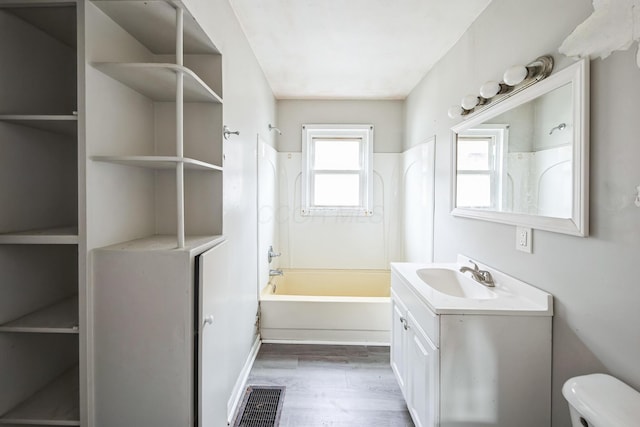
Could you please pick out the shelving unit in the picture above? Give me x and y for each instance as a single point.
(176, 86)
(39, 208)
(155, 163)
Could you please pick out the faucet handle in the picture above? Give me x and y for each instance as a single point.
(475, 266)
(271, 255)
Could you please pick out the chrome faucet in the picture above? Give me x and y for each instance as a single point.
(480, 276)
(275, 272)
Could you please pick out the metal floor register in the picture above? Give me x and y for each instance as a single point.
(261, 407)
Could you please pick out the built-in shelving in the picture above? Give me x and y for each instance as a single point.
(158, 162)
(65, 124)
(178, 127)
(40, 266)
(46, 236)
(55, 404)
(155, 145)
(158, 81)
(60, 318)
(148, 22)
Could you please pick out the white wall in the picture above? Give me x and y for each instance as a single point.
(249, 106)
(341, 242)
(594, 280)
(268, 201)
(385, 115)
(417, 201)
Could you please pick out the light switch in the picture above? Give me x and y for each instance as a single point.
(524, 239)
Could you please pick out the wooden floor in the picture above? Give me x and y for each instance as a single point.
(332, 385)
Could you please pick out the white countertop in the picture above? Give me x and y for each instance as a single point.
(513, 297)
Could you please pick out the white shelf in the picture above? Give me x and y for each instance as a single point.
(55, 405)
(158, 81)
(46, 236)
(152, 21)
(158, 162)
(60, 318)
(164, 242)
(65, 124)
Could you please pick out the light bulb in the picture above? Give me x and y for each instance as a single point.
(469, 102)
(454, 112)
(490, 89)
(515, 75)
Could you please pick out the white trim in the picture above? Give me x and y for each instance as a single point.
(578, 225)
(359, 131)
(241, 382)
(316, 342)
(498, 135)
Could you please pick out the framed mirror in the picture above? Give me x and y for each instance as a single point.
(525, 160)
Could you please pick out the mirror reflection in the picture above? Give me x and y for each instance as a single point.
(521, 160)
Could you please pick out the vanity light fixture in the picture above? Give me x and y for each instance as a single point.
(514, 80)
(492, 88)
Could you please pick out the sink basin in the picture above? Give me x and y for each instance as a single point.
(454, 283)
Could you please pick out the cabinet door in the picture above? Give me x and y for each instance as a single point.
(399, 343)
(423, 381)
(212, 361)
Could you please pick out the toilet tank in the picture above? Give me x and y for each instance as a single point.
(600, 400)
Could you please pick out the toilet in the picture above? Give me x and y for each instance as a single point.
(599, 400)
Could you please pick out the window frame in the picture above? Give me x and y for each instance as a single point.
(497, 136)
(361, 132)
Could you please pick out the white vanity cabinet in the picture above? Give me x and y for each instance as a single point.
(414, 358)
(399, 342)
(422, 362)
(469, 368)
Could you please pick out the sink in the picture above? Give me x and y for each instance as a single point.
(454, 283)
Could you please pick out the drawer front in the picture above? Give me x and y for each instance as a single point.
(427, 320)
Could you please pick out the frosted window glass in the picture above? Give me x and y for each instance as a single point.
(337, 154)
(473, 154)
(474, 190)
(336, 190)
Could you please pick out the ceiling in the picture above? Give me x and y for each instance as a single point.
(351, 49)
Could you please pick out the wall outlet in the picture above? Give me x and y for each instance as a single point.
(524, 239)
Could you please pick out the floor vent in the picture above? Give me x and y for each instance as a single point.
(261, 407)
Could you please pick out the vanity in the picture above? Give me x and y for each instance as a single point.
(466, 354)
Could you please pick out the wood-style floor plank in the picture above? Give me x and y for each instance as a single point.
(332, 385)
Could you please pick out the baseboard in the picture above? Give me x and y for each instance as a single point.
(240, 385)
(278, 341)
(333, 336)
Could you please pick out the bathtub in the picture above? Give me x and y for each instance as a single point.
(327, 306)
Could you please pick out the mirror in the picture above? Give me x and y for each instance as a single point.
(524, 160)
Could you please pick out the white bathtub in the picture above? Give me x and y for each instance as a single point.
(327, 306)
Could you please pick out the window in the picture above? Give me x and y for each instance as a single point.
(337, 170)
(481, 169)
